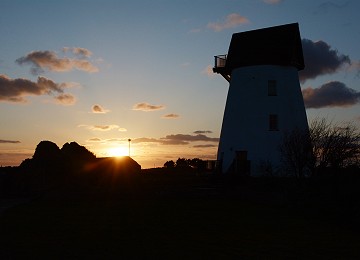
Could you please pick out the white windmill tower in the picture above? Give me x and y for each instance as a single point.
(264, 98)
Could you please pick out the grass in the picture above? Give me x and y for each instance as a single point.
(167, 219)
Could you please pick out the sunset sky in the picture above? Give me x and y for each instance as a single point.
(101, 72)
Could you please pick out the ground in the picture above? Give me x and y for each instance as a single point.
(163, 216)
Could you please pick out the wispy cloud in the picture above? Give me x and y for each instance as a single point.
(203, 132)
(144, 140)
(355, 65)
(204, 146)
(9, 142)
(321, 59)
(177, 139)
(231, 21)
(147, 107)
(331, 94)
(185, 139)
(200, 140)
(95, 139)
(101, 127)
(49, 60)
(208, 71)
(97, 109)
(15, 90)
(81, 52)
(171, 116)
(107, 141)
(104, 127)
(12, 158)
(65, 99)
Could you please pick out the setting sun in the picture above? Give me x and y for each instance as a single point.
(118, 151)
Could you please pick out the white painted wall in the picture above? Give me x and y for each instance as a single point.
(246, 117)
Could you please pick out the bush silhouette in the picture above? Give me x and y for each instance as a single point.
(47, 150)
(74, 151)
(49, 157)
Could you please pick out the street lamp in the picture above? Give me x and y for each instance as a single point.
(129, 145)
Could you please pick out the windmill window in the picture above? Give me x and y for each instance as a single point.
(273, 122)
(272, 90)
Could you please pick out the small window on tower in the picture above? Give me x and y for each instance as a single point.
(272, 91)
(273, 123)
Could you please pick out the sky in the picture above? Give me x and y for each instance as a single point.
(101, 72)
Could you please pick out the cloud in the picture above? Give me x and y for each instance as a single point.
(205, 146)
(15, 90)
(232, 20)
(48, 60)
(173, 142)
(321, 59)
(95, 139)
(331, 94)
(272, 2)
(9, 142)
(65, 99)
(185, 139)
(355, 65)
(147, 107)
(11, 158)
(171, 116)
(121, 129)
(106, 141)
(97, 109)
(144, 140)
(208, 71)
(82, 52)
(100, 127)
(104, 127)
(176, 139)
(203, 132)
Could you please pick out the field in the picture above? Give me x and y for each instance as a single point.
(178, 216)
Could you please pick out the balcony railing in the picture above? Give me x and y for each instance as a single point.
(220, 61)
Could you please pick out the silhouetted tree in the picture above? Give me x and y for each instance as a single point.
(44, 170)
(327, 145)
(182, 163)
(169, 164)
(334, 145)
(197, 163)
(74, 151)
(26, 163)
(47, 150)
(48, 158)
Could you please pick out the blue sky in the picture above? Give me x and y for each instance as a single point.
(145, 66)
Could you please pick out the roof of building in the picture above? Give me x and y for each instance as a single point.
(278, 45)
(121, 164)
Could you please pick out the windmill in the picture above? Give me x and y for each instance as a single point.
(264, 99)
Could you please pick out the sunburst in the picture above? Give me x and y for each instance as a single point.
(118, 151)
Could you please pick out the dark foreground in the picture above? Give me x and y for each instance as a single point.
(157, 215)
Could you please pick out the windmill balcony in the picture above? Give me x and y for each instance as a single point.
(220, 63)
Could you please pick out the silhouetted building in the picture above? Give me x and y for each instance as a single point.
(264, 98)
(123, 164)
